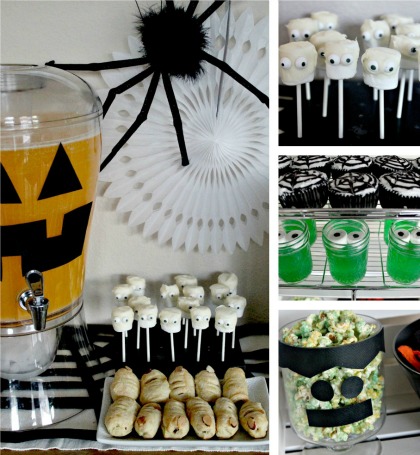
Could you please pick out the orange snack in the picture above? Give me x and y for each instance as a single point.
(412, 356)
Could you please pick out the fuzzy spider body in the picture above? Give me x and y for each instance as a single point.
(172, 41)
(174, 44)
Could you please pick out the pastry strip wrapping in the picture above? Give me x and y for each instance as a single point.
(154, 387)
(175, 424)
(120, 417)
(148, 420)
(181, 384)
(235, 386)
(253, 419)
(125, 384)
(227, 422)
(207, 385)
(201, 417)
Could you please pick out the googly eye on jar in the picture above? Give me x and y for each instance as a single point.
(403, 258)
(346, 243)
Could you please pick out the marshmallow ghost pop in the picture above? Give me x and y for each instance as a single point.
(394, 20)
(137, 283)
(146, 316)
(185, 304)
(218, 292)
(409, 48)
(230, 280)
(380, 70)
(122, 322)
(301, 29)
(238, 303)
(200, 320)
(341, 63)
(122, 292)
(375, 33)
(170, 293)
(325, 20)
(185, 280)
(225, 322)
(318, 40)
(297, 64)
(170, 322)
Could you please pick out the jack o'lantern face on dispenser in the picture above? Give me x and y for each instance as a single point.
(47, 194)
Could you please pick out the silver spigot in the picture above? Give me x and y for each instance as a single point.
(33, 299)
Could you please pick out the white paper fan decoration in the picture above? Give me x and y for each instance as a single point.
(221, 199)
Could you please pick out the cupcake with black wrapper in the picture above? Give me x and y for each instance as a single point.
(303, 189)
(319, 163)
(400, 190)
(416, 165)
(386, 164)
(354, 190)
(284, 163)
(350, 163)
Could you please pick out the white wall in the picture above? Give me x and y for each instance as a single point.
(86, 31)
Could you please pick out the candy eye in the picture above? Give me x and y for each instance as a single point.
(285, 63)
(330, 26)
(322, 53)
(143, 318)
(165, 321)
(207, 318)
(389, 67)
(379, 34)
(306, 34)
(347, 59)
(175, 321)
(334, 59)
(373, 66)
(295, 34)
(125, 320)
(413, 51)
(150, 318)
(301, 63)
(322, 391)
(366, 36)
(198, 318)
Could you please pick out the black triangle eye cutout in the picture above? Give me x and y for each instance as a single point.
(8, 193)
(61, 178)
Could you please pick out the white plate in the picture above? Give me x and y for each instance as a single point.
(257, 389)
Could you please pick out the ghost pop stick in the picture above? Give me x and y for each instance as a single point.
(122, 321)
(146, 315)
(297, 64)
(341, 63)
(200, 320)
(225, 322)
(170, 322)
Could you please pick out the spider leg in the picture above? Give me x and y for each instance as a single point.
(115, 64)
(113, 92)
(223, 66)
(176, 117)
(192, 6)
(210, 10)
(138, 122)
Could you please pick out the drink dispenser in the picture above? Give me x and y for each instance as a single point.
(50, 156)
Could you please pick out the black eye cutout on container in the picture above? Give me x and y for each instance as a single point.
(350, 388)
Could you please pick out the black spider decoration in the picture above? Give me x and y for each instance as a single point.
(174, 44)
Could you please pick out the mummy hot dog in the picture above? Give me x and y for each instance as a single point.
(154, 387)
(227, 422)
(207, 385)
(175, 423)
(297, 64)
(170, 321)
(225, 322)
(148, 420)
(235, 386)
(253, 419)
(120, 417)
(201, 416)
(125, 384)
(200, 320)
(122, 321)
(181, 383)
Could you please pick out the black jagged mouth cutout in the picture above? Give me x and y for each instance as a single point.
(30, 242)
(341, 416)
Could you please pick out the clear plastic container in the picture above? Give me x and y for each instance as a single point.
(334, 394)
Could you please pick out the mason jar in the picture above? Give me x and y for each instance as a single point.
(294, 251)
(346, 243)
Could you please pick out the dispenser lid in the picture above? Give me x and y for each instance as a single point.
(38, 96)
